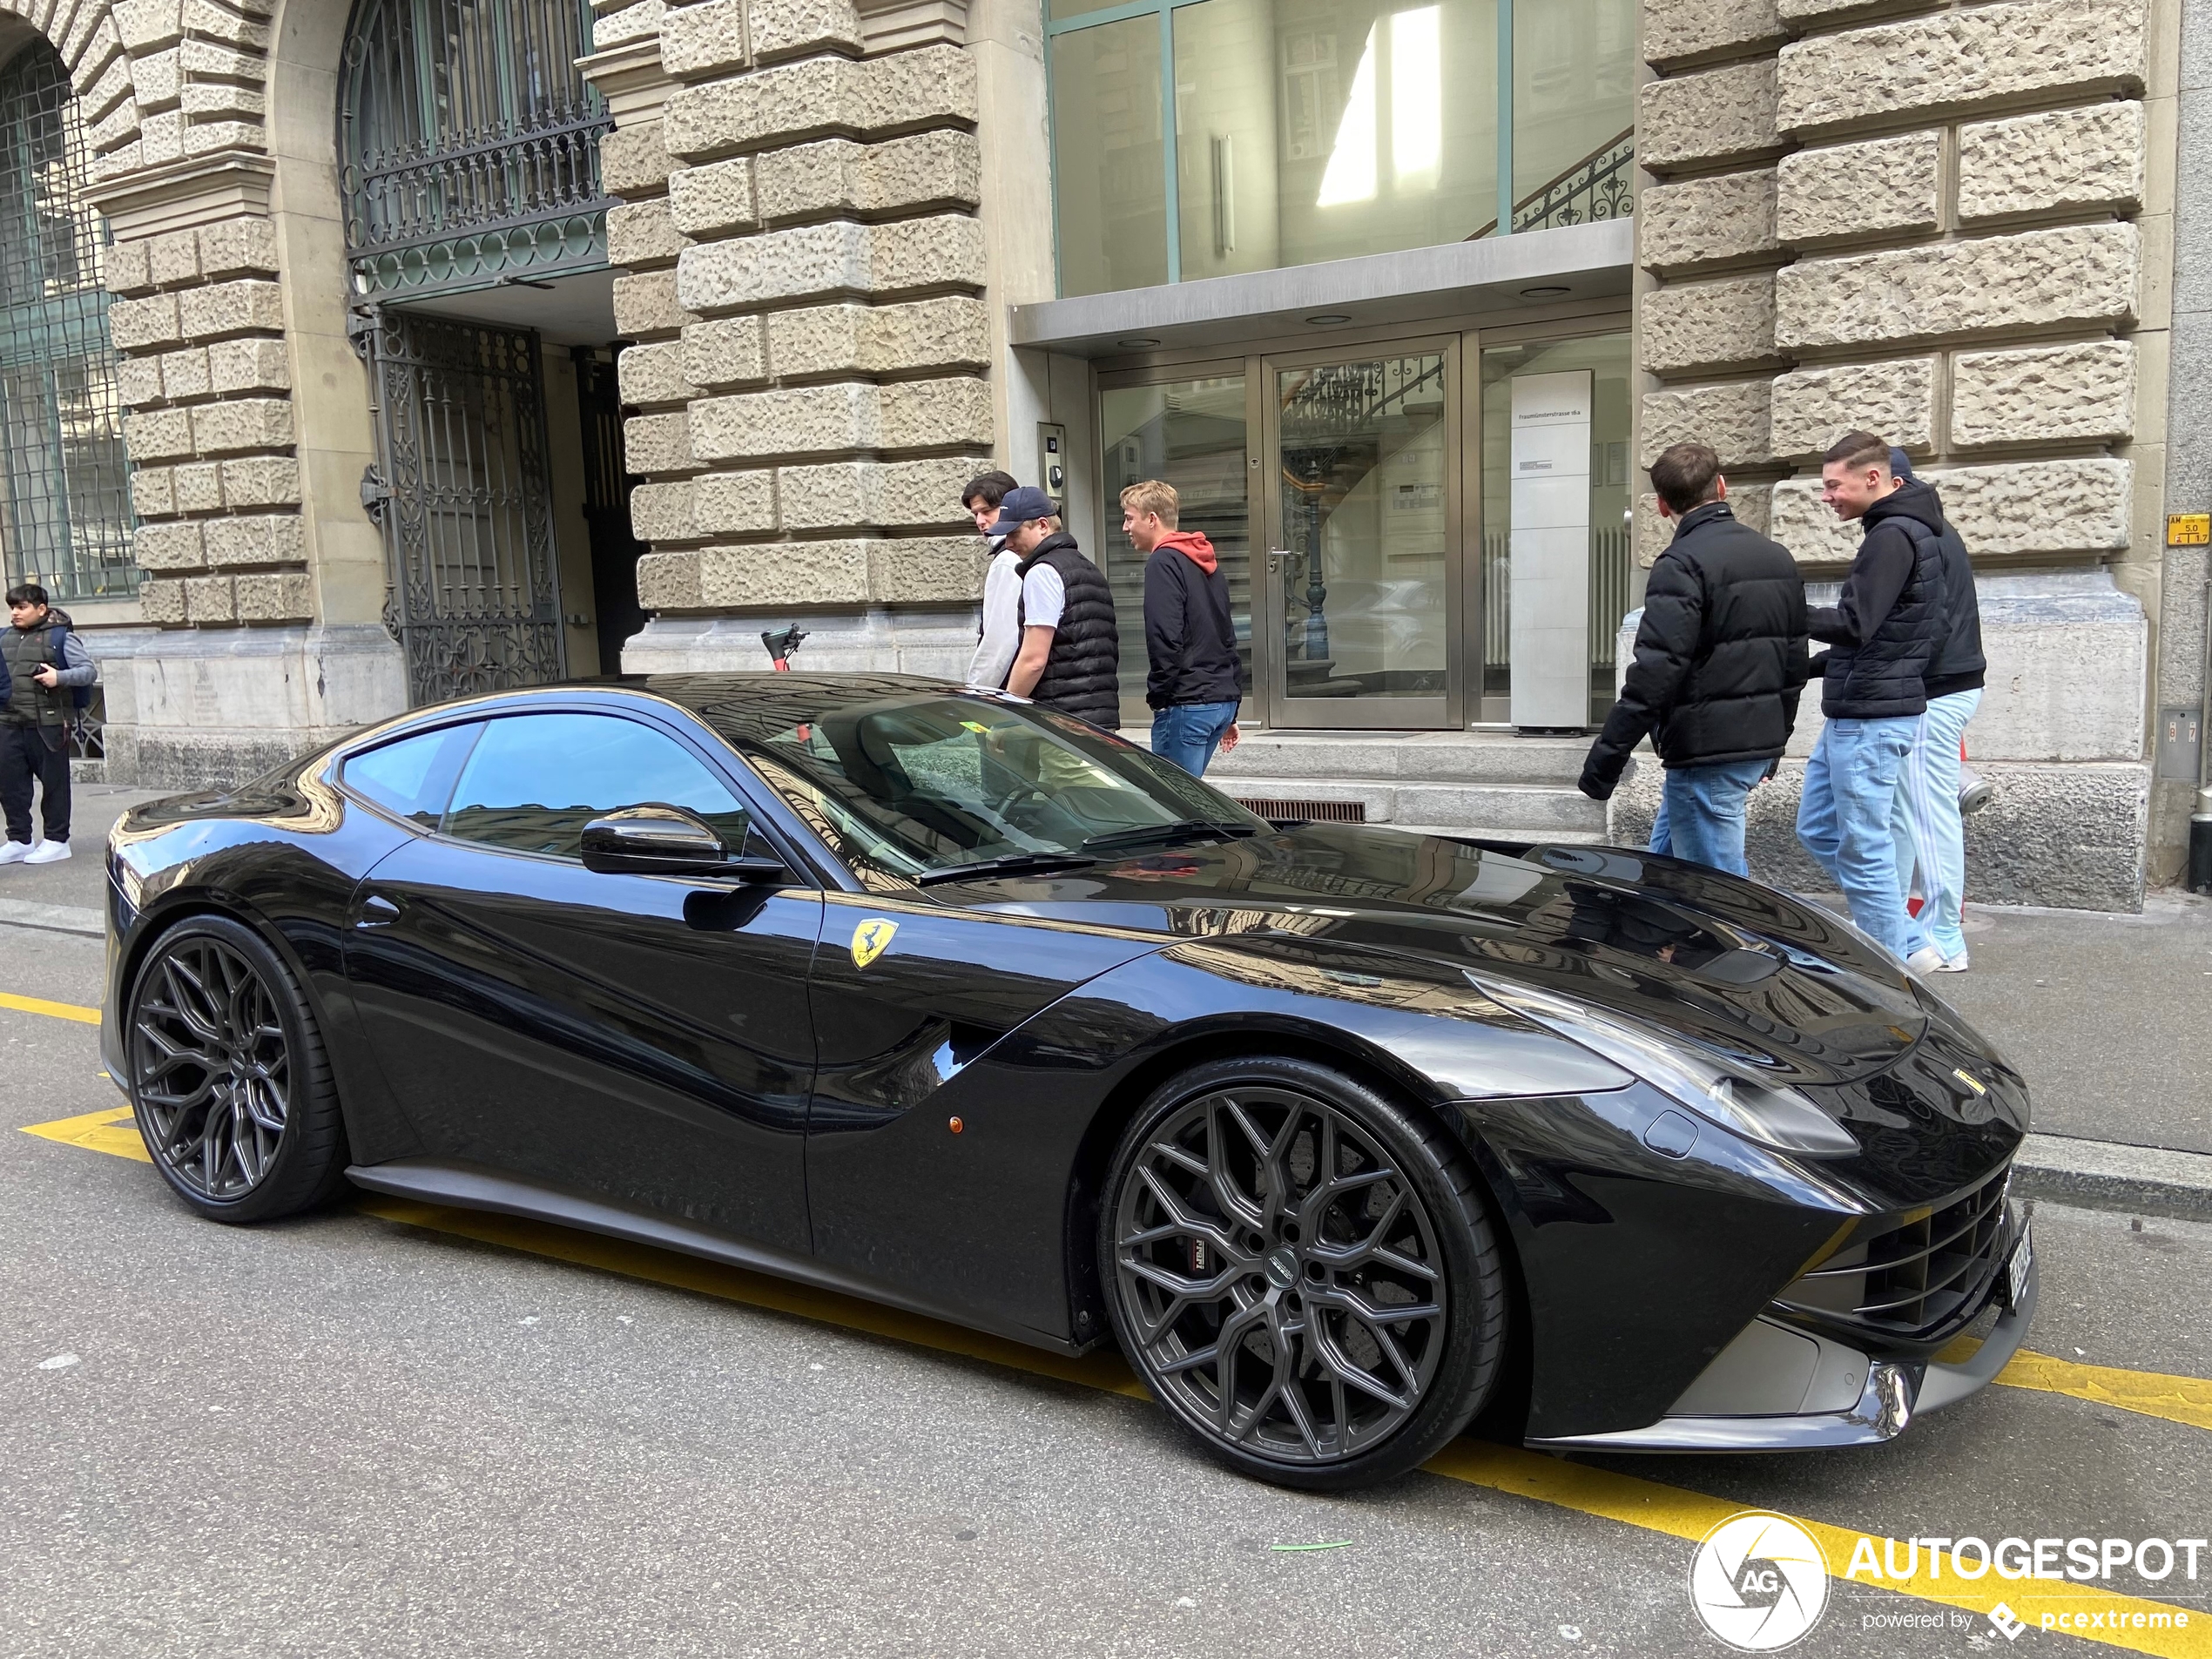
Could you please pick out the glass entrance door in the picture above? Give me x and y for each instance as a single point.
(1360, 595)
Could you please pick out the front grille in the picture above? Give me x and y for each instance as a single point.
(1321, 811)
(1920, 1282)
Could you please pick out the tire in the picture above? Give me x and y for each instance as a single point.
(228, 1079)
(1193, 1238)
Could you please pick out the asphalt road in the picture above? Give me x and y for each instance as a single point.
(354, 1434)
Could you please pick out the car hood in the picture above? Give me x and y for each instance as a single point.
(1737, 966)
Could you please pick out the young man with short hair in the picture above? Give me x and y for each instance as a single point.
(1720, 660)
(47, 666)
(1887, 629)
(1071, 652)
(1000, 637)
(1194, 681)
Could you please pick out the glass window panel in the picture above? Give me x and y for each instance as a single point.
(1614, 585)
(1107, 164)
(413, 777)
(1574, 111)
(1192, 435)
(534, 780)
(1366, 522)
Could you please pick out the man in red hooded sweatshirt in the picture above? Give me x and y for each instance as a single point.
(1197, 680)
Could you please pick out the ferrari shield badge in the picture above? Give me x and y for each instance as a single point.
(871, 938)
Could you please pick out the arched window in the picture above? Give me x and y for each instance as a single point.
(469, 145)
(65, 517)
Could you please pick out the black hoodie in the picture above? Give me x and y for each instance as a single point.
(1890, 623)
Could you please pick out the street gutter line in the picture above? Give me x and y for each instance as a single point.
(1646, 1504)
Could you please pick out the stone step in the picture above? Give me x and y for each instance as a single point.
(1406, 757)
(1513, 809)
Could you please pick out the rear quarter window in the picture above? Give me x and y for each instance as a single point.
(412, 777)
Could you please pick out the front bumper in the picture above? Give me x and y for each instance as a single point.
(1891, 1396)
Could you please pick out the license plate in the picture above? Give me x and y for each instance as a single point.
(2016, 1274)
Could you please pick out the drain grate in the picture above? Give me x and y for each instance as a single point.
(1322, 811)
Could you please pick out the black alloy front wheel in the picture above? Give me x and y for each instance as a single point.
(228, 1079)
(1302, 1272)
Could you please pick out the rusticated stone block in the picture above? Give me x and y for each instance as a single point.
(940, 169)
(267, 539)
(614, 27)
(162, 602)
(241, 306)
(822, 97)
(952, 332)
(239, 246)
(242, 423)
(895, 495)
(926, 569)
(1721, 219)
(1733, 420)
(657, 443)
(1693, 326)
(924, 415)
(668, 581)
(646, 305)
(1958, 59)
(1809, 527)
(713, 199)
(210, 598)
(154, 492)
(2084, 161)
(199, 486)
(262, 480)
(661, 513)
(2078, 273)
(784, 29)
(1652, 534)
(176, 259)
(652, 376)
(1677, 30)
(174, 546)
(157, 435)
(2050, 394)
(1714, 115)
(1815, 407)
(642, 233)
(785, 573)
(633, 161)
(185, 374)
(276, 596)
(129, 268)
(1886, 187)
(836, 258)
(696, 41)
(236, 366)
(726, 351)
(138, 380)
(926, 254)
(811, 420)
(2021, 510)
(735, 503)
(143, 325)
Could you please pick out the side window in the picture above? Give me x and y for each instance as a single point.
(534, 780)
(413, 777)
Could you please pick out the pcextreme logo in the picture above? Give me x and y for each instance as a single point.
(871, 938)
(1758, 1582)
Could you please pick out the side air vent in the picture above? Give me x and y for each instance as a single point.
(1321, 811)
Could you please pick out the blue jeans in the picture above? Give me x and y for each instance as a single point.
(1188, 733)
(1924, 822)
(1843, 821)
(1701, 813)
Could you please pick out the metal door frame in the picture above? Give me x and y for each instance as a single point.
(455, 643)
(1270, 666)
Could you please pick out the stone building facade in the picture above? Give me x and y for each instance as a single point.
(833, 279)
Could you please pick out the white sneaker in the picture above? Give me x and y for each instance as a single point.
(47, 852)
(1926, 960)
(1957, 964)
(13, 852)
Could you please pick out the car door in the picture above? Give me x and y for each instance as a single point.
(644, 1040)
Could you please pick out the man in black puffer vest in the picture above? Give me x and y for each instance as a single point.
(1888, 628)
(1071, 652)
(1720, 659)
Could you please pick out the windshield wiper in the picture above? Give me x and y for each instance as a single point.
(1012, 863)
(1185, 830)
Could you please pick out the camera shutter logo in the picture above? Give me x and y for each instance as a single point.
(1759, 1581)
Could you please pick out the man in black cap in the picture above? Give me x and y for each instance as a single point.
(1071, 652)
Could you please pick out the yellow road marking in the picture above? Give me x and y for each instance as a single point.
(75, 1011)
(2179, 1399)
(1630, 1499)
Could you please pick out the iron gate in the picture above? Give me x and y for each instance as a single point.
(464, 497)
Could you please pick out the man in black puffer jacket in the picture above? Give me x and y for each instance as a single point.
(1071, 652)
(1720, 659)
(1888, 628)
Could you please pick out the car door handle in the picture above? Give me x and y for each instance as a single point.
(377, 911)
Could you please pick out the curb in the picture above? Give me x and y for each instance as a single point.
(2103, 1175)
(53, 918)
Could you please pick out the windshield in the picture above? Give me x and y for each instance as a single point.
(912, 783)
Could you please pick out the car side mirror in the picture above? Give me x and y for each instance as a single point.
(667, 841)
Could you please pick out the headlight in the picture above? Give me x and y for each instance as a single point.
(1730, 1095)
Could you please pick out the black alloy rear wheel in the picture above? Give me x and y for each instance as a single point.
(228, 1079)
(1302, 1272)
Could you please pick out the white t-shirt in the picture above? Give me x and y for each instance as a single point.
(1044, 596)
